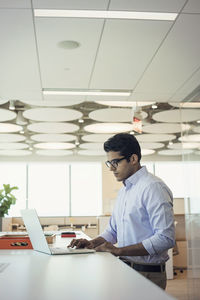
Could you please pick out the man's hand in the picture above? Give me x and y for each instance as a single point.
(81, 243)
(108, 247)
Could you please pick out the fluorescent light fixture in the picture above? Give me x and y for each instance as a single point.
(105, 14)
(86, 93)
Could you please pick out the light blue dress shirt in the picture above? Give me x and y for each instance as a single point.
(143, 212)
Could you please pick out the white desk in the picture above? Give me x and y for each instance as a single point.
(100, 276)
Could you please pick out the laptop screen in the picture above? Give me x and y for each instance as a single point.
(34, 229)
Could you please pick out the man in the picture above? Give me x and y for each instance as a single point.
(142, 222)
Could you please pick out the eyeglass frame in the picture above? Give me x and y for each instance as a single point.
(109, 163)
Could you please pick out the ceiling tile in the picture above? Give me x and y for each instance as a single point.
(146, 5)
(178, 55)
(71, 4)
(192, 6)
(19, 74)
(15, 4)
(71, 67)
(122, 59)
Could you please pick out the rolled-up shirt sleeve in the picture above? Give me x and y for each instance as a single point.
(110, 233)
(159, 208)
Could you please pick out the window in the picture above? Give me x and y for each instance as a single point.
(48, 188)
(172, 174)
(15, 175)
(86, 189)
(55, 189)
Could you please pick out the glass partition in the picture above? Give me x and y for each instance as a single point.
(191, 140)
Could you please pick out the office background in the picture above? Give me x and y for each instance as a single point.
(68, 83)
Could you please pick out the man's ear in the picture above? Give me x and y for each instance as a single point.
(134, 158)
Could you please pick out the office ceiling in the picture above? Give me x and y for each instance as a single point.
(154, 61)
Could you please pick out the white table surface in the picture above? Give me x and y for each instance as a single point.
(31, 275)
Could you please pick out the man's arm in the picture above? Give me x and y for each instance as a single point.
(132, 250)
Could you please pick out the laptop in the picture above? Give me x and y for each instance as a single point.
(38, 239)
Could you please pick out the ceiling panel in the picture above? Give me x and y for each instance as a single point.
(69, 68)
(188, 86)
(192, 6)
(127, 46)
(71, 4)
(179, 55)
(19, 75)
(15, 4)
(146, 5)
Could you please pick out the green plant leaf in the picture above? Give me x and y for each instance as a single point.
(6, 198)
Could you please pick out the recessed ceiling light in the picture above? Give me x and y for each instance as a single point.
(198, 121)
(154, 106)
(85, 92)
(68, 45)
(104, 14)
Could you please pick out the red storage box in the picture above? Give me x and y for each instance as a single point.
(15, 242)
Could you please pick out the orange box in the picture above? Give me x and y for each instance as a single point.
(15, 242)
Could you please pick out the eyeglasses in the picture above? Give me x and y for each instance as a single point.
(114, 162)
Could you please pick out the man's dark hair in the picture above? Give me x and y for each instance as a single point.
(124, 143)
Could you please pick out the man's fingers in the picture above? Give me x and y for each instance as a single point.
(80, 243)
(72, 244)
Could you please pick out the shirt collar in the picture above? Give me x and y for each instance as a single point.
(133, 179)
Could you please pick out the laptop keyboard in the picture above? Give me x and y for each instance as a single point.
(60, 250)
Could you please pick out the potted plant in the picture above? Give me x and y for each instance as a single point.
(6, 200)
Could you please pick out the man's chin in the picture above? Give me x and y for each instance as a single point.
(118, 178)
